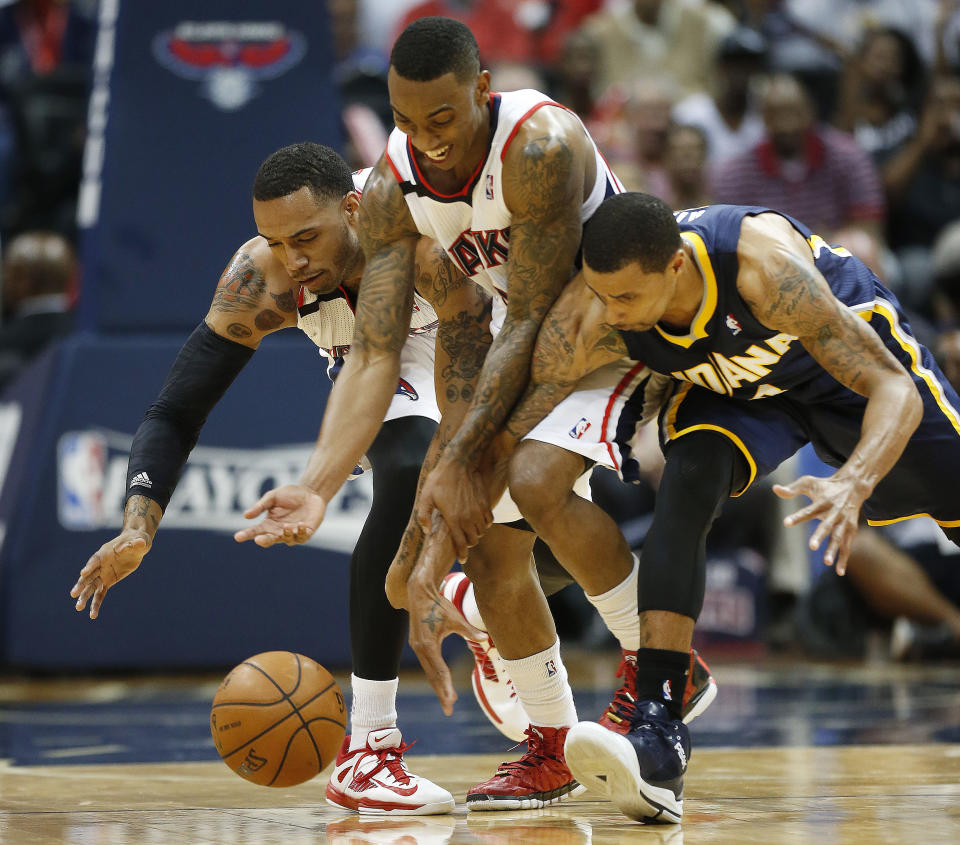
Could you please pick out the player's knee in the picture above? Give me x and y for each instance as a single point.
(702, 470)
(537, 485)
(496, 571)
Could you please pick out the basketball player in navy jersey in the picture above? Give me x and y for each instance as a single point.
(771, 338)
(302, 270)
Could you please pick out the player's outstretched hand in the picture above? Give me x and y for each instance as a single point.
(460, 495)
(293, 513)
(836, 502)
(433, 617)
(113, 562)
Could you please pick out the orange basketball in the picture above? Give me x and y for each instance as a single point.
(278, 719)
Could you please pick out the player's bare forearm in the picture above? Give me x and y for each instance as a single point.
(353, 416)
(368, 381)
(793, 297)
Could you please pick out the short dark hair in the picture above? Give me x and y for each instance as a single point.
(307, 164)
(630, 228)
(431, 47)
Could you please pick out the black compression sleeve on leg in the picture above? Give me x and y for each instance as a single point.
(702, 468)
(205, 367)
(377, 630)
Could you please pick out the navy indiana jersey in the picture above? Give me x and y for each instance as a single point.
(727, 350)
(763, 391)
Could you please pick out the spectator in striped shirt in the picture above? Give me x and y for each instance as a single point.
(810, 171)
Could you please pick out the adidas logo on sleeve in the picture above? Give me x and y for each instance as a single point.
(141, 479)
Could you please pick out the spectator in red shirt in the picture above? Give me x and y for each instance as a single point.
(810, 171)
(508, 31)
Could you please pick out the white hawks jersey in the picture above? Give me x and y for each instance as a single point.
(474, 224)
(327, 319)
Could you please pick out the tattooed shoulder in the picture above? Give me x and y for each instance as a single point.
(242, 285)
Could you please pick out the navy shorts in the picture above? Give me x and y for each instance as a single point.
(924, 482)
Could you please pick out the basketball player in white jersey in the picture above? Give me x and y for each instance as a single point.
(303, 270)
(504, 182)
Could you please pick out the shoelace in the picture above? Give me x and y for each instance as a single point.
(390, 759)
(533, 757)
(483, 658)
(624, 705)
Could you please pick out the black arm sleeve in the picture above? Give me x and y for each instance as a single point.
(204, 369)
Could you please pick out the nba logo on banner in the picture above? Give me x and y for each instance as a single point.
(83, 465)
(229, 57)
(580, 428)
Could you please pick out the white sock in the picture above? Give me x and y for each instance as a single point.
(541, 682)
(619, 611)
(374, 706)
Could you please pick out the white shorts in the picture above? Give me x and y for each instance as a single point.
(600, 420)
(416, 396)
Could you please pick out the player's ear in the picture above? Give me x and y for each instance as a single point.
(481, 92)
(350, 206)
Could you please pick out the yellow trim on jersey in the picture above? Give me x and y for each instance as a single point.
(698, 328)
(909, 345)
(946, 523)
(670, 423)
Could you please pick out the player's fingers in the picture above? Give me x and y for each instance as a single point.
(85, 594)
(823, 530)
(844, 545)
(264, 503)
(802, 486)
(434, 667)
(457, 624)
(97, 601)
(814, 509)
(92, 565)
(265, 541)
(250, 533)
(77, 588)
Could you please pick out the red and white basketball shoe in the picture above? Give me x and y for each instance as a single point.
(374, 779)
(698, 695)
(492, 687)
(539, 778)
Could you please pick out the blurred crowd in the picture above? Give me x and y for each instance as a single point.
(842, 113)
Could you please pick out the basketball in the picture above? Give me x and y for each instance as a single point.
(278, 719)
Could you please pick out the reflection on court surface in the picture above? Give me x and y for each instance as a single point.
(788, 753)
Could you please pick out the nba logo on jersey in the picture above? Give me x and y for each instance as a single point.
(580, 428)
(733, 325)
(489, 186)
(551, 668)
(82, 468)
(404, 388)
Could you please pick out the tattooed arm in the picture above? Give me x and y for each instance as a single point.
(368, 380)
(463, 338)
(253, 297)
(362, 392)
(545, 171)
(783, 289)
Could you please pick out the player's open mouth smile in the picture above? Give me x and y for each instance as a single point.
(438, 154)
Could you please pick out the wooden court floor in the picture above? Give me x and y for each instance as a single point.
(871, 756)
